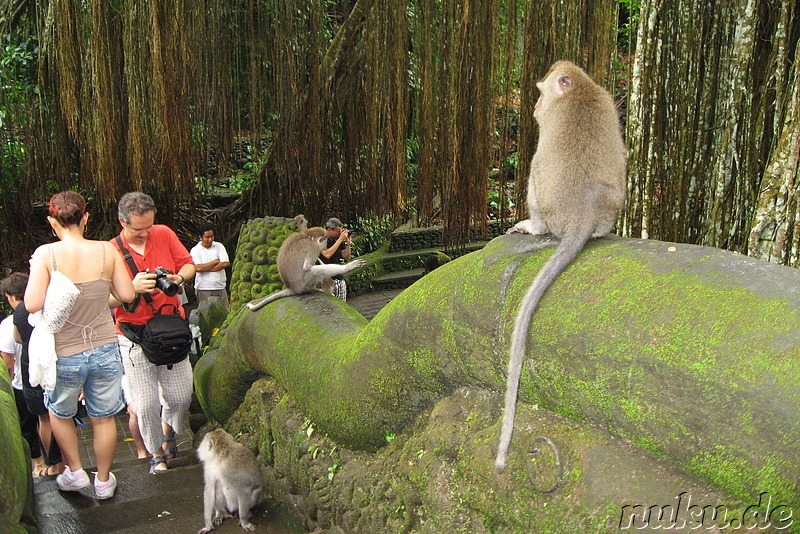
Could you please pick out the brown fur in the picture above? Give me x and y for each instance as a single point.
(233, 480)
(575, 191)
(298, 268)
(301, 222)
(298, 252)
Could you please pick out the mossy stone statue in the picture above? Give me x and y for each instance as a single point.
(256, 253)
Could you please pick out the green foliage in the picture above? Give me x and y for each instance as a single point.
(203, 185)
(371, 233)
(629, 11)
(412, 163)
(498, 205)
(12, 155)
(240, 181)
(18, 66)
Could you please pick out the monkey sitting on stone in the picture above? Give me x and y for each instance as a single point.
(575, 191)
(233, 480)
(297, 265)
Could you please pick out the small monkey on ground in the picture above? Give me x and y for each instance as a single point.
(297, 265)
(575, 191)
(233, 480)
(301, 222)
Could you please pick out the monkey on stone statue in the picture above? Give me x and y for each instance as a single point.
(576, 188)
(301, 222)
(297, 265)
(233, 480)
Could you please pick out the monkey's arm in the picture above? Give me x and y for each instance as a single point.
(534, 225)
(209, 503)
(329, 270)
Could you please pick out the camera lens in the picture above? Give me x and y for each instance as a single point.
(167, 286)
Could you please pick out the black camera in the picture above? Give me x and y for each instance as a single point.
(167, 286)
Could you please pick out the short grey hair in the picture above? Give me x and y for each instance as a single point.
(134, 203)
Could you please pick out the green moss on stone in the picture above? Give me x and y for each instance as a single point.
(679, 351)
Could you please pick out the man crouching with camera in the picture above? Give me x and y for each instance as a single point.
(159, 264)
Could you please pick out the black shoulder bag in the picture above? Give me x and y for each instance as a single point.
(166, 338)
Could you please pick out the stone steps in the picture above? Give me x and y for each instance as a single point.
(170, 502)
(394, 276)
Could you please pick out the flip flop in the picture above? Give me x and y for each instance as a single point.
(51, 473)
(39, 471)
(155, 461)
(172, 451)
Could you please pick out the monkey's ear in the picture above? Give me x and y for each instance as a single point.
(564, 84)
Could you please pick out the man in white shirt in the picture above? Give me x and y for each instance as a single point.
(211, 259)
(11, 352)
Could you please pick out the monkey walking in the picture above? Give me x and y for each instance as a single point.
(233, 481)
(297, 265)
(575, 191)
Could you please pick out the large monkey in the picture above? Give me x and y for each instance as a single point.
(297, 266)
(575, 191)
(233, 480)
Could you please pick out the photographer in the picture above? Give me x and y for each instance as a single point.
(338, 250)
(153, 246)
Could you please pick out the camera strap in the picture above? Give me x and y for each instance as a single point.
(133, 306)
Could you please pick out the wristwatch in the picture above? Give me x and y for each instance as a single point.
(182, 279)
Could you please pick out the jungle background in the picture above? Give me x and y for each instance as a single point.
(393, 111)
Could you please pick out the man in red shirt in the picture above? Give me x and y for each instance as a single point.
(153, 245)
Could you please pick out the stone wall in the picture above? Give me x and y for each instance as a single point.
(434, 477)
(424, 238)
(16, 484)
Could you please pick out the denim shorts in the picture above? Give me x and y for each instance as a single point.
(98, 372)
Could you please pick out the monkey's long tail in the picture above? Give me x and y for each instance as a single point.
(256, 305)
(567, 250)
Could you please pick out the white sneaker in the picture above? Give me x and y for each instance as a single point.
(105, 490)
(72, 480)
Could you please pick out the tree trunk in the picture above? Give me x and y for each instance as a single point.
(773, 236)
(280, 179)
(707, 106)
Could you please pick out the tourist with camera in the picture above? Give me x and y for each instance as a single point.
(158, 264)
(338, 249)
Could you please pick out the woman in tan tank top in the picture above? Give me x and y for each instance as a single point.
(88, 355)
